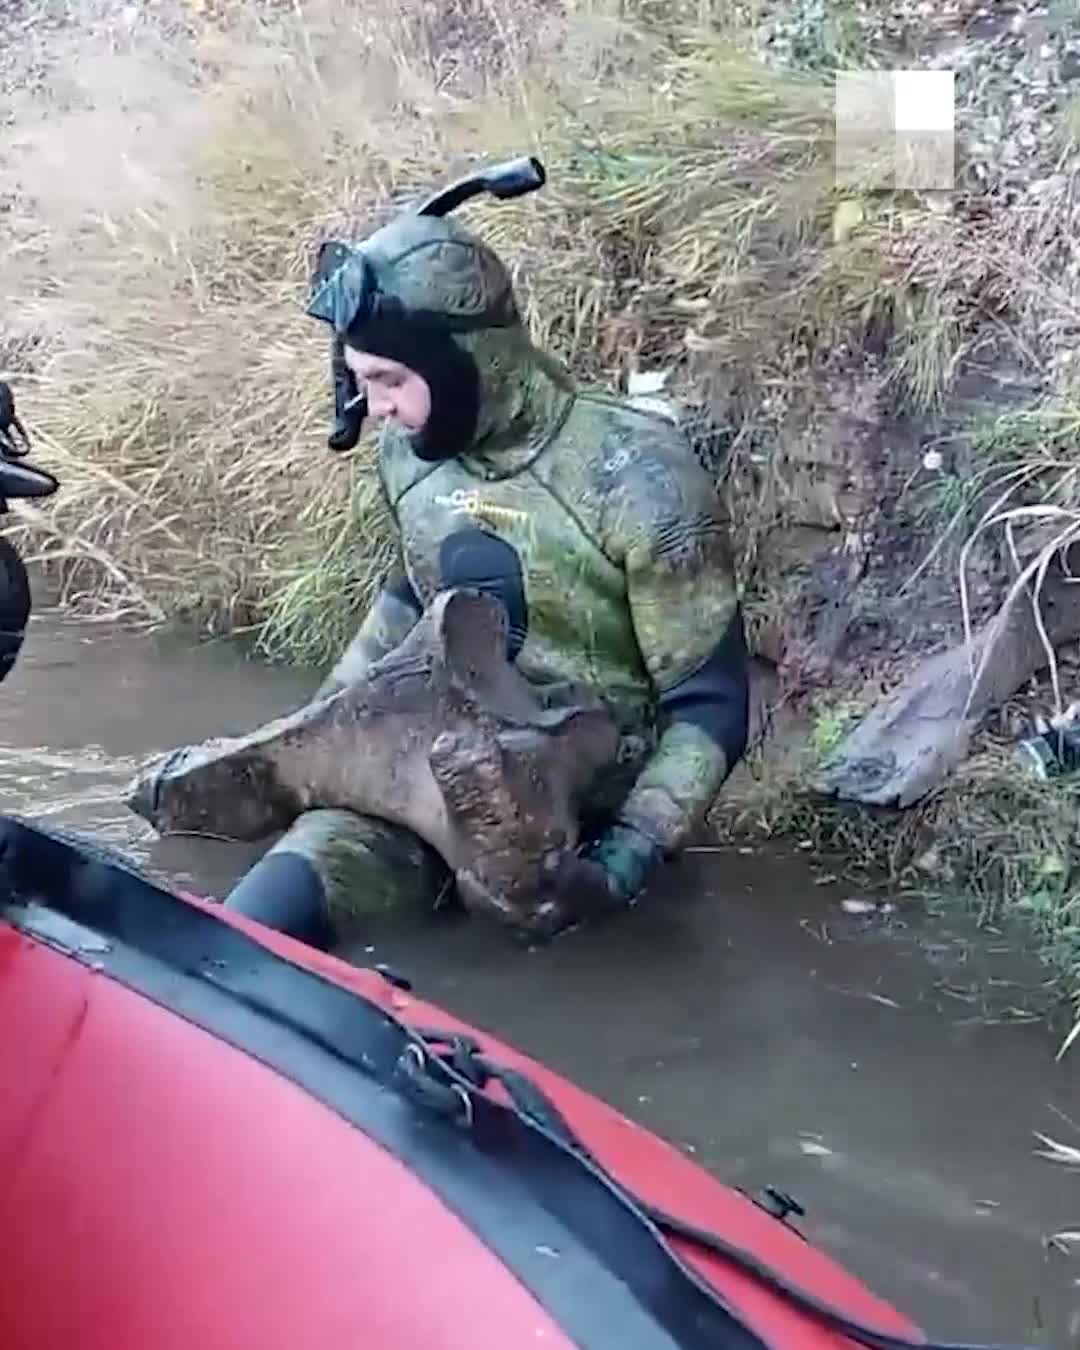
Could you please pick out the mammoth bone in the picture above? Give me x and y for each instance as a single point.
(443, 736)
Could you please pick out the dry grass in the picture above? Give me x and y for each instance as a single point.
(160, 259)
(160, 262)
(179, 394)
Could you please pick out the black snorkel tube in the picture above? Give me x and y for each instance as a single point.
(513, 178)
(18, 479)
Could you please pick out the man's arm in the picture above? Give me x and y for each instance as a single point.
(684, 604)
(392, 615)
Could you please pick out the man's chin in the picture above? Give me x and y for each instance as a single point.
(429, 456)
(421, 446)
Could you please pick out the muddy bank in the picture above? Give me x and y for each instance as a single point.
(887, 1070)
(890, 488)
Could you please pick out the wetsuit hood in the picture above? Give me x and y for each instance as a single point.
(426, 292)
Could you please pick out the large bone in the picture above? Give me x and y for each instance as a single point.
(443, 736)
(913, 739)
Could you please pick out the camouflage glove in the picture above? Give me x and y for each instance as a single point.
(603, 879)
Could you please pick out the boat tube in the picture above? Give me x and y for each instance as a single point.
(214, 1136)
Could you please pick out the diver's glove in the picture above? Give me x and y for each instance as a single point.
(604, 878)
(628, 857)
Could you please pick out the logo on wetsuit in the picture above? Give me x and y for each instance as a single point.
(469, 502)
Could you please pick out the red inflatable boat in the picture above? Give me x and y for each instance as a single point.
(215, 1138)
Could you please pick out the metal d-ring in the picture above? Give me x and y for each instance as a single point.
(466, 1102)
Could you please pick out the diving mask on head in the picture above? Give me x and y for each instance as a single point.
(337, 301)
(380, 297)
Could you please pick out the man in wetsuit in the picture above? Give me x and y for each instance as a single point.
(590, 519)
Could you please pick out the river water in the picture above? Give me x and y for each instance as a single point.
(885, 1069)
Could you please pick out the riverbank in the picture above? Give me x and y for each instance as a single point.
(991, 842)
(882, 383)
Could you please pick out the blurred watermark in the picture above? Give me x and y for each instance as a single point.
(895, 129)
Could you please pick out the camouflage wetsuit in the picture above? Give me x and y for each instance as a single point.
(592, 520)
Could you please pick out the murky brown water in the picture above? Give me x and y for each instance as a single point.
(877, 1071)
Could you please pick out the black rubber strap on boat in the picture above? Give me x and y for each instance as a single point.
(463, 1055)
(566, 1230)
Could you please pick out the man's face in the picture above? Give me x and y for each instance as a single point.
(393, 390)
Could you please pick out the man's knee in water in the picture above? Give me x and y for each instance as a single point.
(333, 868)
